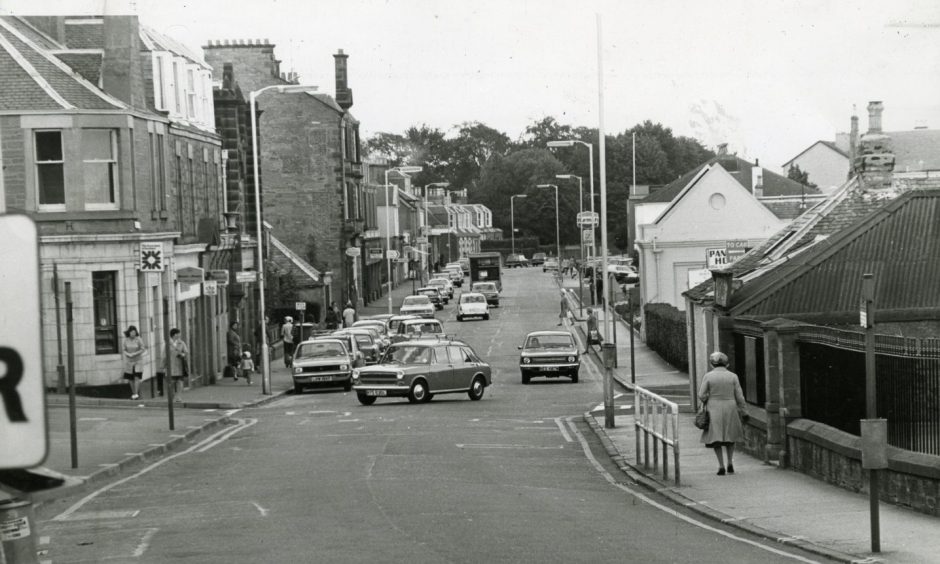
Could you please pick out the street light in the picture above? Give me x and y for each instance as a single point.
(557, 235)
(283, 89)
(572, 143)
(580, 231)
(512, 219)
(404, 171)
(427, 226)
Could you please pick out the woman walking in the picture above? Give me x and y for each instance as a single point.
(234, 348)
(722, 396)
(133, 351)
(179, 363)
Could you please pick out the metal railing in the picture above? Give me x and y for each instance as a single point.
(657, 418)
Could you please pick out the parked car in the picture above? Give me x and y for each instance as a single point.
(419, 370)
(322, 362)
(550, 264)
(410, 329)
(377, 328)
(445, 286)
(516, 261)
(489, 291)
(538, 259)
(355, 353)
(472, 304)
(551, 354)
(434, 294)
(464, 264)
(394, 321)
(365, 341)
(417, 305)
(455, 273)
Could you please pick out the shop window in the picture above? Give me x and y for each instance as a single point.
(50, 170)
(104, 293)
(100, 163)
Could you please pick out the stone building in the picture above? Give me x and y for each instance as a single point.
(108, 143)
(309, 163)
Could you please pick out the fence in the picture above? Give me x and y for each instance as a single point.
(657, 418)
(832, 374)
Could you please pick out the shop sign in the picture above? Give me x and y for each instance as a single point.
(190, 275)
(151, 257)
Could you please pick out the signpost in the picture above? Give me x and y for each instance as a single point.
(587, 219)
(375, 254)
(210, 288)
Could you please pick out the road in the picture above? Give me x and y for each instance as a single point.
(516, 477)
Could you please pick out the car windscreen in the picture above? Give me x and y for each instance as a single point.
(407, 354)
(321, 349)
(549, 342)
(477, 299)
(484, 287)
(424, 328)
(415, 300)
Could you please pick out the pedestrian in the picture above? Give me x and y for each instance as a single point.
(234, 346)
(247, 366)
(593, 336)
(349, 315)
(179, 363)
(287, 337)
(332, 319)
(133, 351)
(563, 312)
(721, 394)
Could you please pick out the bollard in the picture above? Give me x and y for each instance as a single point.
(17, 541)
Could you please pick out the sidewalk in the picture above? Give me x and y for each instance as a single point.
(779, 504)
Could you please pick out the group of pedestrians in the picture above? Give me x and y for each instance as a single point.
(134, 352)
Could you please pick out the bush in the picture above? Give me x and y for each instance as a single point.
(666, 334)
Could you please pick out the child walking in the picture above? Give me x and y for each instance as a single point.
(247, 366)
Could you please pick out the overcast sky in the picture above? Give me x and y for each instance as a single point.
(768, 77)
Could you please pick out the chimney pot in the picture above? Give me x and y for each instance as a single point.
(875, 108)
(722, 149)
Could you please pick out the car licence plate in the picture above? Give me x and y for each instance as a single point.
(375, 392)
(322, 378)
(550, 369)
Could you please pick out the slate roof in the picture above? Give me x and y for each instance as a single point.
(828, 144)
(86, 64)
(153, 40)
(289, 261)
(916, 149)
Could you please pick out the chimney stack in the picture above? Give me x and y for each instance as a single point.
(874, 158)
(344, 96)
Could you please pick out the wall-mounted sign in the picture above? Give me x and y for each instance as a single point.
(353, 251)
(375, 254)
(246, 277)
(735, 249)
(190, 275)
(151, 257)
(210, 288)
(220, 277)
(716, 258)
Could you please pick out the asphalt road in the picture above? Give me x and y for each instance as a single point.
(516, 477)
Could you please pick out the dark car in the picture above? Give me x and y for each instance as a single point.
(538, 259)
(419, 370)
(516, 261)
(433, 294)
(489, 291)
(322, 362)
(550, 354)
(365, 340)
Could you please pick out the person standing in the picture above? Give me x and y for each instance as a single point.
(133, 351)
(287, 336)
(563, 311)
(179, 363)
(721, 394)
(332, 319)
(349, 315)
(234, 347)
(593, 336)
(247, 366)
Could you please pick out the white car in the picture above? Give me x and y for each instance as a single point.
(445, 286)
(472, 304)
(417, 305)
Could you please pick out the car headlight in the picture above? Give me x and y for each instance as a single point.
(400, 375)
(526, 360)
(344, 367)
(572, 359)
(298, 370)
(355, 374)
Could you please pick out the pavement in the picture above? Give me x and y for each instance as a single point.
(761, 498)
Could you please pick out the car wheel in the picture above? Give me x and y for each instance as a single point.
(364, 399)
(347, 387)
(419, 392)
(574, 378)
(486, 317)
(459, 318)
(477, 388)
(525, 378)
(298, 389)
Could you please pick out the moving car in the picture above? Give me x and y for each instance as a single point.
(322, 362)
(417, 305)
(551, 354)
(538, 259)
(394, 321)
(464, 264)
(489, 291)
(434, 294)
(472, 304)
(418, 329)
(419, 370)
(455, 273)
(366, 342)
(550, 264)
(377, 328)
(444, 285)
(378, 324)
(516, 261)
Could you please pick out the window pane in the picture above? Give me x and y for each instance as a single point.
(99, 183)
(51, 184)
(96, 144)
(48, 146)
(105, 301)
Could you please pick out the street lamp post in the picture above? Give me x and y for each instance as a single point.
(404, 171)
(580, 243)
(512, 219)
(427, 226)
(252, 96)
(590, 147)
(557, 234)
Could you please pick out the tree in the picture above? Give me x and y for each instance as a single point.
(794, 173)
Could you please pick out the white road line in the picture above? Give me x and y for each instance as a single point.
(261, 510)
(144, 543)
(92, 418)
(80, 503)
(245, 424)
(485, 446)
(564, 433)
(607, 476)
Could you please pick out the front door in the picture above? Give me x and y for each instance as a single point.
(463, 366)
(442, 370)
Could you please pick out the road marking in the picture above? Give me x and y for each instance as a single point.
(564, 433)
(290, 413)
(610, 479)
(246, 423)
(304, 421)
(209, 410)
(92, 418)
(347, 420)
(133, 453)
(242, 424)
(105, 514)
(43, 540)
(486, 446)
(320, 412)
(261, 510)
(144, 543)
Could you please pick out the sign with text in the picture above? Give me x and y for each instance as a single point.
(735, 249)
(716, 258)
(587, 236)
(588, 219)
(151, 257)
(220, 277)
(392, 254)
(246, 277)
(190, 275)
(375, 254)
(353, 251)
(300, 306)
(23, 438)
(210, 288)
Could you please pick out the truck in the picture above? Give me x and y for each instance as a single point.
(486, 267)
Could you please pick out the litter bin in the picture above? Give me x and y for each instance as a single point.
(17, 538)
(609, 351)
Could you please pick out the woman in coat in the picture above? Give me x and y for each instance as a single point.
(234, 345)
(722, 396)
(133, 351)
(179, 363)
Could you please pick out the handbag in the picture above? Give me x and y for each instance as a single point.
(594, 337)
(702, 419)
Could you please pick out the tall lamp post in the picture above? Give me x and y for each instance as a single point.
(427, 226)
(404, 171)
(512, 219)
(283, 89)
(557, 234)
(580, 243)
(590, 147)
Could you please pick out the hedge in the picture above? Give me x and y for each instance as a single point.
(666, 334)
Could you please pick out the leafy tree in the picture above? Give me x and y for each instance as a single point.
(794, 173)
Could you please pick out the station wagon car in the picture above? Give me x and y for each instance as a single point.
(322, 362)
(419, 370)
(551, 354)
(417, 305)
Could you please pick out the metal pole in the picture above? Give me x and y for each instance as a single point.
(871, 401)
(60, 368)
(388, 240)
(581, 245)
(512, 223)
(608, 376)
(632, 355)
(590, 147)
(629, 292)
(557, 232)
(70, 339)
(169, 388)
(265, 359)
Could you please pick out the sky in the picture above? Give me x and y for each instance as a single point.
(769, 78)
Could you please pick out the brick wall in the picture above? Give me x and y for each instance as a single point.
(14, 180)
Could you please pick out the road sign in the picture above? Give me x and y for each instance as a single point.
(587, 236)
(588, 219)
(375, 254)
(246, 276)
(422, 240)
(219, 276)
(300, 306)
(392, 254)
(353, 251)
(22, 411)
(210, 288)
(151, 257)
(190, 275)
(402, 261)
